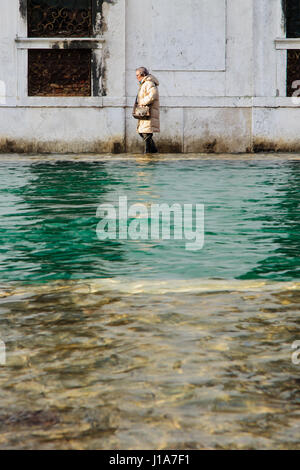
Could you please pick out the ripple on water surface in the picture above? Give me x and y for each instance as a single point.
(48, 217)
(128, 345)
(111, 364)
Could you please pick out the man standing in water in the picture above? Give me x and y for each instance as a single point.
(148, 96)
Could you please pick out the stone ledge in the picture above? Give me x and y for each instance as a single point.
(287, 43)
(59, 43)
(165, 102)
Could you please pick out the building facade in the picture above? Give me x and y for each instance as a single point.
(228, 69)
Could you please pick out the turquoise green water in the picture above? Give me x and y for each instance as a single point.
(48, 218)
(143, 344)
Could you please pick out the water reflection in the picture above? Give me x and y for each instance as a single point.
(282, 220)
(48, 222)
(52, 227)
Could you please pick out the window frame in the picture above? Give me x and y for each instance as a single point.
(282, 45)
(23, 43)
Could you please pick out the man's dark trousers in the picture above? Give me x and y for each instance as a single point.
(150, 146)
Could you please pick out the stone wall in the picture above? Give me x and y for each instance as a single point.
(221, 66)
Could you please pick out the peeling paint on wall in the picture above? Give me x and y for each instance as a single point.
(283, 18)
(102, 73)
(23, 8)
(98, 17)
(96, 75)
(98, 70)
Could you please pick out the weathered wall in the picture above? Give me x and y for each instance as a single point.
(62, 130)
(203, 59)
(8, 28)
(222, 80)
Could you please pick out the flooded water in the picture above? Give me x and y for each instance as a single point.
(141, 344)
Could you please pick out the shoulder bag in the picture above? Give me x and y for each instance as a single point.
(140, 112)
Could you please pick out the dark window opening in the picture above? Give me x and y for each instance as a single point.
(293, 71)
(59, 72)
(55, 18)
(292, 14)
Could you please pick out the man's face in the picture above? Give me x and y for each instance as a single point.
(139, 77)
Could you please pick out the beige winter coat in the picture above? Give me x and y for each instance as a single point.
(149, 96)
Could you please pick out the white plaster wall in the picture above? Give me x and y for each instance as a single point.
(188, 36)
(8, 25)
(276, 129)
(267, 26)
(61, 129)
(183, 84)
(217, 130)
(183, 44)
(222, 80)
(114, 49)
(221, 67)
(239, 58)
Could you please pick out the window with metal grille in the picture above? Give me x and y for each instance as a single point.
(59, 72)
(292, 14)
(54, 18)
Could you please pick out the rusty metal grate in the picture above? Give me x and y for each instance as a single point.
(59, 72)
(55, 18)
(293, 70)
